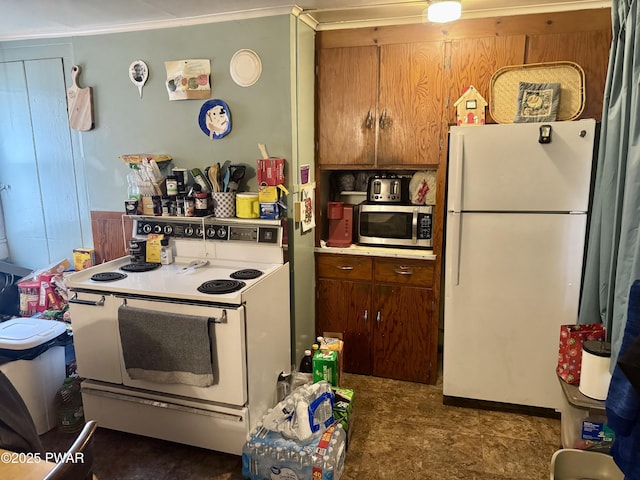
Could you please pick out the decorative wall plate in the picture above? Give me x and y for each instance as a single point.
(138, 73)
(245, 67)
(215, 119)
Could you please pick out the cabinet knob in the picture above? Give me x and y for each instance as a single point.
(369, 121)
(366, 316)
(345, 267)
(378, 318)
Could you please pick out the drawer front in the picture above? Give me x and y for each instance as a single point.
(404, 271)
(345, 267)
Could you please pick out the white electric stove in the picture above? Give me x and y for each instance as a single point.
(242, 293)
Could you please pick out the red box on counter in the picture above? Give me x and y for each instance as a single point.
(270, 171)
(570, 350)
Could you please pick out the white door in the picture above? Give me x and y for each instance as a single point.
(38, 177)
(511, 280)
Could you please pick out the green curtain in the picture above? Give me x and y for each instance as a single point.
(613, 248)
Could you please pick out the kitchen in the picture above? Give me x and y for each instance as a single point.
(132, 124)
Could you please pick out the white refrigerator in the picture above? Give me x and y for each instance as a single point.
(515, 235)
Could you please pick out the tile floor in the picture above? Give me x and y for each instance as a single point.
(401, 430)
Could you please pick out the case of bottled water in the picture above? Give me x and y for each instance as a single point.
(269, 455)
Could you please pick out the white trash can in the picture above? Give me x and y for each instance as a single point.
(571, 464)
(32, 357)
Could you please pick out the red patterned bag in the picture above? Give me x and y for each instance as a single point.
(570, 351)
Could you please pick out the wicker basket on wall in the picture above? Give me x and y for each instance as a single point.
(503, 101)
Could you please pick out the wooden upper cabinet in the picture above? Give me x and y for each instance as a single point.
(474, 61)
(590, 50)
(347, 105)
(410, 104)
(380, 106)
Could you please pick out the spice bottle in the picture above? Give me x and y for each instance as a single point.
(172, 185)
(201, 200)
(190, 206)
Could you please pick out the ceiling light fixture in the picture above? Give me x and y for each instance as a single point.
(444, 11)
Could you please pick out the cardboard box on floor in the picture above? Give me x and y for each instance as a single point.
(337, 346)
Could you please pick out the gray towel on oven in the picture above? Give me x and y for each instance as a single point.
(166, 347)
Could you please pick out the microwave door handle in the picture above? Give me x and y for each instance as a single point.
(414, 226)
(457, 166)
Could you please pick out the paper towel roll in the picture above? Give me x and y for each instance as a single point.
(594, 374)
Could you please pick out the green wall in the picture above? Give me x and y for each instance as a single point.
(126, 123)
(276, 111)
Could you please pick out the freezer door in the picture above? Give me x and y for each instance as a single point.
(511, 280)
(505, 168)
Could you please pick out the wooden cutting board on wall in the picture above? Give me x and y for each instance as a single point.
(79, 103)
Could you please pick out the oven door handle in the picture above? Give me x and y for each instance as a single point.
(222, 319)
(93, 303)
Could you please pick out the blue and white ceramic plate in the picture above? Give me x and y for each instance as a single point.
(215, 119)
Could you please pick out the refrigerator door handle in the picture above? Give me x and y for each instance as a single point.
(453, 275)
(456, 174)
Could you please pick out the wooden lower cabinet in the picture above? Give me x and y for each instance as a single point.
(401, 343)
(384, 310)
(344, 308)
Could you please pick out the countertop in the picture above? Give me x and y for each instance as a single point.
(420, 254)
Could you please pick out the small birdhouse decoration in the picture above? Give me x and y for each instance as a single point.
(470, 107)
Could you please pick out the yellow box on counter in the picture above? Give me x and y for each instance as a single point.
(83, 258)
(153, 247)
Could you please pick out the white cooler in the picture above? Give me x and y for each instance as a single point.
(37, 365)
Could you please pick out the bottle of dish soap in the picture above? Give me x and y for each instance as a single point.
(166, 255)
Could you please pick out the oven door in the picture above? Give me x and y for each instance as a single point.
(95, 335)
(227, 337)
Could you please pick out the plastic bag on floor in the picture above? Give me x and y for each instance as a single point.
(306, 412)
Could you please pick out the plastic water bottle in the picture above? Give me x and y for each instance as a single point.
(283, 387)
(132, 184)
(306, 364)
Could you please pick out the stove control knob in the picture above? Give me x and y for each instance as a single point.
(211, 232)
(157, 229)
(221, 233)
(146, 228)
(188, 231)
(198, 232)
(167, 229)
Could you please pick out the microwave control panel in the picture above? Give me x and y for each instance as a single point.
(424, 226)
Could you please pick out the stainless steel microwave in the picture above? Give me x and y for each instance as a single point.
(395, 225)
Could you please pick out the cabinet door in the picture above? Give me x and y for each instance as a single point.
(347, 105)
(474, 61)
(590, 50)
(344, 307)
(410, 105)
(401, 343)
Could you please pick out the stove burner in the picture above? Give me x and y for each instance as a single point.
(221, 286)
(246, 274)
(139, 267)
(108, 276)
